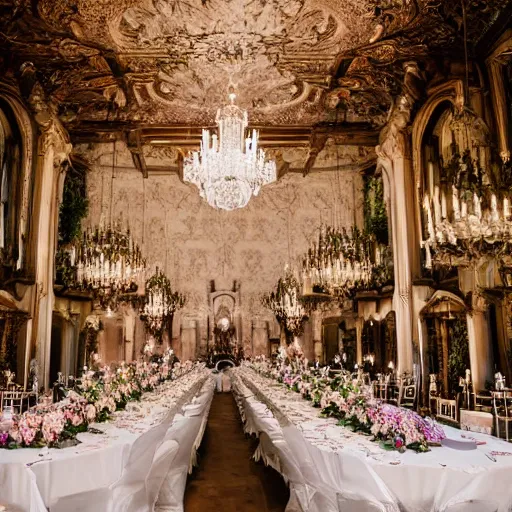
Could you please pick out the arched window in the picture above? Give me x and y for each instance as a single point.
(10, 186)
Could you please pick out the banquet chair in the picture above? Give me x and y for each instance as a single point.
(19, 400)
(145, 498)
(502, 405)
(116, 497)
(407, 396)
(342, 482)
(18, 489)
(184, 431)
(301, 493)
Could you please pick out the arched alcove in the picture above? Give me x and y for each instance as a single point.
(447, 345)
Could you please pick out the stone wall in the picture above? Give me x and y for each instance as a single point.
(195, 244)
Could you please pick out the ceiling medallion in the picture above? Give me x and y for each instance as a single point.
(229, 168)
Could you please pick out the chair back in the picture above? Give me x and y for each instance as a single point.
(19, 491)
(19, 400)
(139, 461)
(162, 462)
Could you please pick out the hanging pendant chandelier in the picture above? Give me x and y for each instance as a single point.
(285, 303)
(108, 264)
(160, 303)
(229, 168)
(339, 262)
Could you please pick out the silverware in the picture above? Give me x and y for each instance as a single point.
(490, 457)
(36, 461)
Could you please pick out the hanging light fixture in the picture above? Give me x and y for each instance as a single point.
(229, 168)
(106, 260)
(285, 303)
(108, 264)
(339, 262)
(160, 303)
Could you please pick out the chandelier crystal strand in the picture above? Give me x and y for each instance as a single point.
(230, 168)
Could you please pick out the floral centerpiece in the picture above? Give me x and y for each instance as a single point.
(97, 396)
(353, 404)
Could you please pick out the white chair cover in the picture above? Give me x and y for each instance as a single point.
(19, 489)
(145, 498)
(342, 484)
(184, 430)
(118, 496)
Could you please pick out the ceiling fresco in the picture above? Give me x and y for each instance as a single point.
(134, 64)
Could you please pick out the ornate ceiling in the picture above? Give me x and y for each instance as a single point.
(302, 63)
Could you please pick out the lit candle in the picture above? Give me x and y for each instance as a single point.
(443, 205)
(455, 203)
(495, 217)
(428, 256)
(437, 206)
(476, 206)
(430, 223)
(463, 209)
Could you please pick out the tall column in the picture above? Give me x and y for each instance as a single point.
(53, 149)
(394, 159)
(480, 348)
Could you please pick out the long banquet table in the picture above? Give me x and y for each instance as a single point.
(97, 461)
(331, 468)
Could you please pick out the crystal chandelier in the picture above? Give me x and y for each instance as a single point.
(229, 168)
(285, 303)
(339, 263)
(108, 263)
(160, 303)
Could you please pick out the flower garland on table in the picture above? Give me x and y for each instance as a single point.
(353, 405)
(98, 395)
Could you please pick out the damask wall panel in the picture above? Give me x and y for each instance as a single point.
(194, 243)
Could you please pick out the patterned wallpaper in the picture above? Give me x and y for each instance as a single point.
(195, 243)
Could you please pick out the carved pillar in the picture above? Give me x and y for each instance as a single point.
(480, 347)
(394, 158)
(53, 149)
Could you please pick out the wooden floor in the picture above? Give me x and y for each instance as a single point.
(227, 479)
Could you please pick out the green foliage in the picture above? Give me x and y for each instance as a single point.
(458, 356)
(74, 206)
(375, 213)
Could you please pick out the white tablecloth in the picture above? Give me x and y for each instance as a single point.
(338, 462)
(98, 460)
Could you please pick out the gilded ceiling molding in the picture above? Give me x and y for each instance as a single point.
(496, 63)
